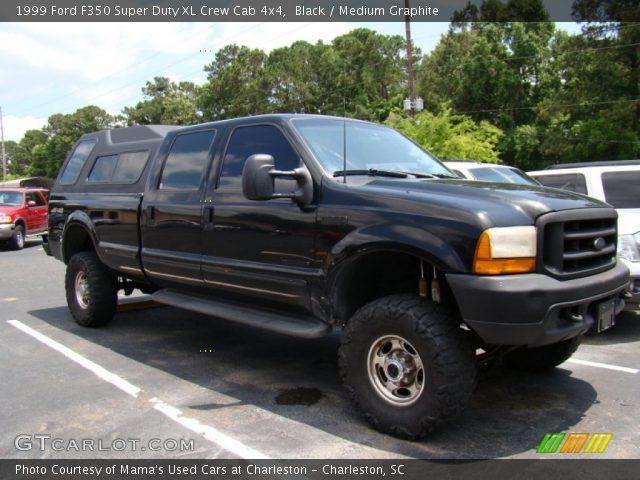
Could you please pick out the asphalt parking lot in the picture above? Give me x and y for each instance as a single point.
(161, 382)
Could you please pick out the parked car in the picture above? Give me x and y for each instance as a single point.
(23, 211)
(307, 225)
(617, 183)
(489, 172)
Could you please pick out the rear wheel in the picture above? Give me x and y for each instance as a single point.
(91, 290)
(17, 240)
(539, 359)
(407, 365)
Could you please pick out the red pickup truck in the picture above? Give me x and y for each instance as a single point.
(23, 211)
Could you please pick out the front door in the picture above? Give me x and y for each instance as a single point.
(258, 249)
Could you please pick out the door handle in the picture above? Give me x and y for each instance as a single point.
(151, 213)
(207, 217)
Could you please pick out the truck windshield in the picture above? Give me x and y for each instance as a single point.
(11, 198)
(502, 174)
(369, 148)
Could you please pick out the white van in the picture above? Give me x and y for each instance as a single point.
(617, 183)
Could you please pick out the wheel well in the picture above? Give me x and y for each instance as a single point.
(378, 274)
(20, 222)
(76, 239)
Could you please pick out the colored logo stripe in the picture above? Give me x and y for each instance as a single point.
(550, 443)
(598, 442)
(574, 442)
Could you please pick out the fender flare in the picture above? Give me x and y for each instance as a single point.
(77, 219)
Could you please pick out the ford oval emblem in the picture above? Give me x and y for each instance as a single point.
(599, 243)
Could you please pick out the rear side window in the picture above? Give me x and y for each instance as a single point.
(124, 168)
(574, 182)
(621, 188)
(79, 156)
(185, 165)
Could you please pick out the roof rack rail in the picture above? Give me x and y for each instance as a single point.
(605, 163)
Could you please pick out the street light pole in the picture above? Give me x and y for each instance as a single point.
(407, 29)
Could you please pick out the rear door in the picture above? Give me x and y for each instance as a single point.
(171, 225)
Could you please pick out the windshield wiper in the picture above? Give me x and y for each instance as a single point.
(445, 175)
(373, 172)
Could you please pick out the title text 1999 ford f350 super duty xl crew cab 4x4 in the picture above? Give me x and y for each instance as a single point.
(307, 224)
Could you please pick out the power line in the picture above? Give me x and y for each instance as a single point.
(580, 104)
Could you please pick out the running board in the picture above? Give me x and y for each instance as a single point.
(297, 326)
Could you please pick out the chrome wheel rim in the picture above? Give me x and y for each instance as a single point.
(20, 238)
(396, 370)
(82, 290)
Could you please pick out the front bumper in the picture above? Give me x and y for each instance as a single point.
(6, 231)
(534, 309)
(632, 294)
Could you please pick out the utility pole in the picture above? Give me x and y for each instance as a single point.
(407, 29)
(4, 157)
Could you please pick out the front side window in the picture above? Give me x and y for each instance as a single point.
(185, 165)
(621, 188)
(78, 158)
(573, 182)
(35, 197)
(247, 141)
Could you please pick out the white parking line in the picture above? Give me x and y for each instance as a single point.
(209, 433)
(101, 372)
(604, 365)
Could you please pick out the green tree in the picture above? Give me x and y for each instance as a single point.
(449, 136)
(62, 131)
(22, 156)
(165, 102)
(236, 84)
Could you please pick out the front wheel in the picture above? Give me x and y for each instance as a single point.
(17, 240)
(539, 359)
(407, 365)
(92, 291)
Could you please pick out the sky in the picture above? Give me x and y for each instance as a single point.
(48, 68)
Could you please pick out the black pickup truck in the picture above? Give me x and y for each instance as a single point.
(308, 224)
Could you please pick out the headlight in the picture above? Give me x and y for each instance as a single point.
(629, 247)
(506, 250)
(4, 218)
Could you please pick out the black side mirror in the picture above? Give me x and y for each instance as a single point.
(258, 180)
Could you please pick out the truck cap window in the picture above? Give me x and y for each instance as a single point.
(130, 167)
(102, 170)
(247, 141)
(124, 168)
(186, 162)
(71, 172)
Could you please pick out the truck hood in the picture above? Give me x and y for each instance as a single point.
(9, 209)
(497, 204)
